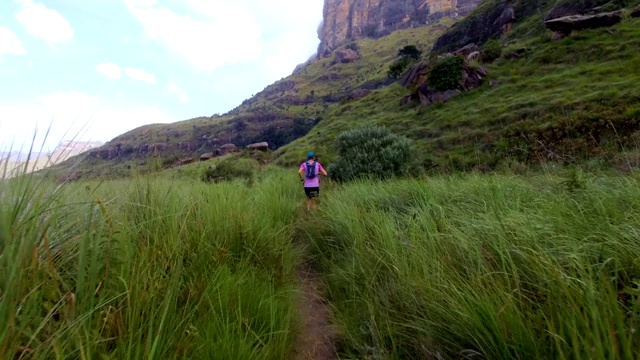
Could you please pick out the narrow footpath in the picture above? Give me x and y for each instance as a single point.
(316, 338)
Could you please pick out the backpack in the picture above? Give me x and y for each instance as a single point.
(311, 170)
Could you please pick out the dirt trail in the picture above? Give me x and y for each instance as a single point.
(316, 338)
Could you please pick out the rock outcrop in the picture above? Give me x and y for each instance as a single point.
(207, 156)
(471, 77)
(489, 22)
(351, 19)
(345, 56)
(261, 146)
(565, 25)
(112, 151)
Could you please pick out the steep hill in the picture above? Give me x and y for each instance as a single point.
(281, 113)
(570, 99)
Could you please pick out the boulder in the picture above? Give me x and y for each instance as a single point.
(570, 8)
(472, 77)
(262, 146)
(212, 167)
(506, 20)
(207, 156)
(635, 12)
(466, 50)
(426, 96)
(567, 24)
(228, 149)
(415, 75)
(490, 23)
(345, 56)
(473, 56)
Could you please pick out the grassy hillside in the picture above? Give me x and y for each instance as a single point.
(567, 100)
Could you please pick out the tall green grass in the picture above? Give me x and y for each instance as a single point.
(495, 267)
(146, 269)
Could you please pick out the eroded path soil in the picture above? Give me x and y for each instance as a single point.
(316, 338)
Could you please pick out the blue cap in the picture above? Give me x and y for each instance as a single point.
(310, 155)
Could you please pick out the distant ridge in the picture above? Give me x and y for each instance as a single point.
(13, 163)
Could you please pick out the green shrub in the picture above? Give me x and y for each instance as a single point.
(446, 75)
(398, 67)
(410, 51)
(370, 152)
(491, 51)
(230, 169)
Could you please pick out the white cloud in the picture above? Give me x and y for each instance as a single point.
(9, 43)
(140, 75)
(71, 115)
(110, 70)
(174, 89)
(224, 33)
(44, 23)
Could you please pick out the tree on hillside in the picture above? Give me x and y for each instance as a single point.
(406, 56)
(410, 51)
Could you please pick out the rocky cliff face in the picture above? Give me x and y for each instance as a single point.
(351, 19)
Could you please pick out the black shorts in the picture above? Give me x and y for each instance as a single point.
(312, 192)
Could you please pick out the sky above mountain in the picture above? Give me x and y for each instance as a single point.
(96, 69)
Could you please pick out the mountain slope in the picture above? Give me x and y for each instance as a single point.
(281, 113)
(564, 100)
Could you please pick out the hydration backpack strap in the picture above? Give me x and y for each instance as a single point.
(314, 169)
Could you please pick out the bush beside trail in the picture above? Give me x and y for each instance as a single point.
(370, 152)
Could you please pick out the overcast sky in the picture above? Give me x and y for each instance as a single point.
(120, 64)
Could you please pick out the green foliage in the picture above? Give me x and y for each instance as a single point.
(572, 139)
(495, 266)
(230, 169)
(410, 51)
(370, 152)
(406, 56)
(398, 67)
(491, 51)
(146, 269)
(574, 180)
(446, 75)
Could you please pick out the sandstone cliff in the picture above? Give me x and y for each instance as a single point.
(351, 19)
